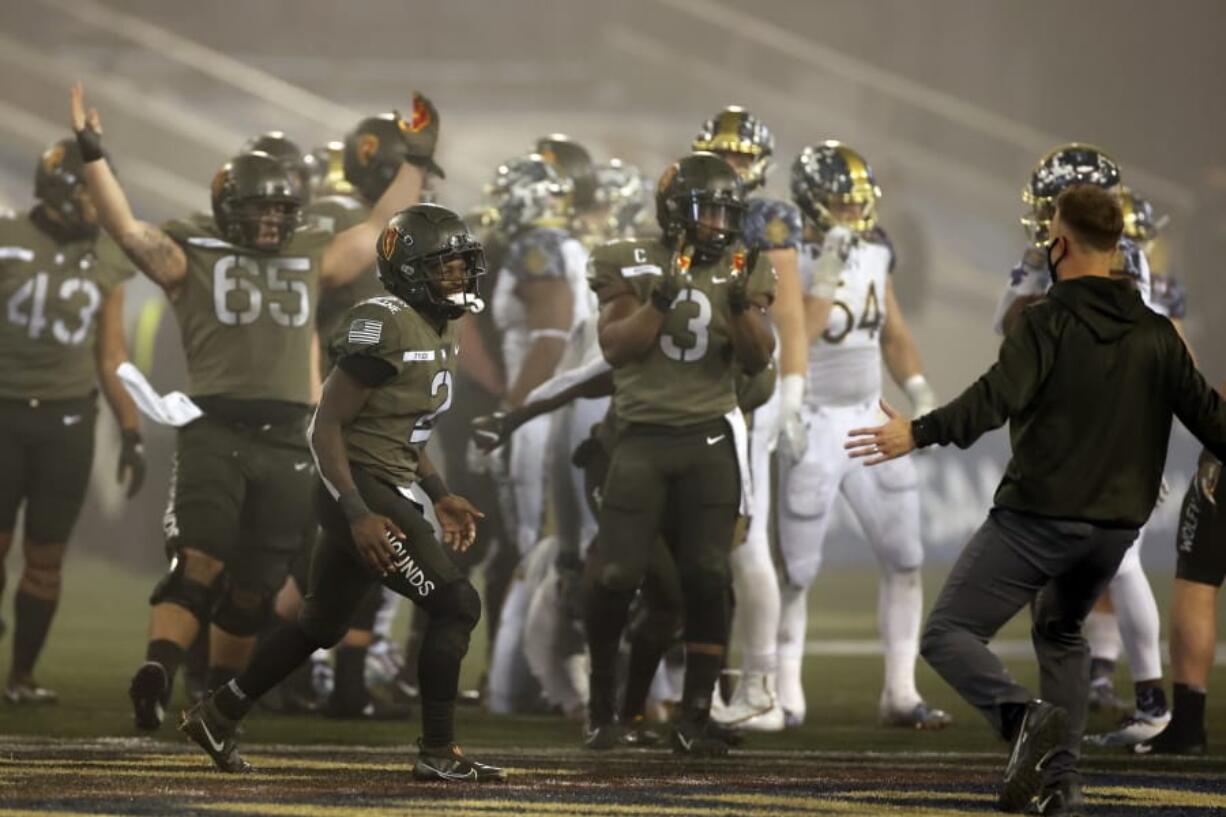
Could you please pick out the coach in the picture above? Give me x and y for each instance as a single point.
(1088, 379)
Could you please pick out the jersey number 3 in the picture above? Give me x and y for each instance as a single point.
(695, 337)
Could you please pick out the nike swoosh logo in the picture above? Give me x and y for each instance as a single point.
(204, 727)
(686, 744)
(1043, 803)
(1017, 747)
(715, 280)
(72, 419)
(714, 440)
(471, 774)
(301, 466)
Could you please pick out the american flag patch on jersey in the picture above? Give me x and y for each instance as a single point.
(365, 331)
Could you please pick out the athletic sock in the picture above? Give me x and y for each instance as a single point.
(275, 659)
(1188, 713)
(33, 621)
(170, 655)
(231, 701)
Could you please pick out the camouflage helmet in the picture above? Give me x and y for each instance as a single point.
(1061, 167)
(736, 131)
(622, 190)
(830, 174)
(373, 154)
(243, 188)
(528, 191)
(572, 161)
(412, 251)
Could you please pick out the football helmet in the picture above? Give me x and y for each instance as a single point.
(701, 197)
(414, 251)
(621, 191)
(1061, 167)
(280, 147)
(528, 191)
(1140, 223)
(734, 131)
(255, 203)
(59, 181)
(373, 154)
(832, 184)
(572, 161)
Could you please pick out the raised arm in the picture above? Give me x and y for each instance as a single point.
(152, 251)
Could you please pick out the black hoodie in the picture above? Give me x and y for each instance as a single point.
(1088, 380)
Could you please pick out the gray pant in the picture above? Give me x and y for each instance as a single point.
(1011, 561)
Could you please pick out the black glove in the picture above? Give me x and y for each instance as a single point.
(131, 461)
(738, 289)
(491, 431)
(420, 133)
(673, 280)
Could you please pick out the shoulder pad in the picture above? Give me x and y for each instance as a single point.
(878, 235)
(772, 224)
(537, 253)
(196, 230)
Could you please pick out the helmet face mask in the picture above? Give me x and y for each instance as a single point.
(700, 199)
(834, 186)
(59, 185)
(741, 139)
(427, 258)
(255, 203)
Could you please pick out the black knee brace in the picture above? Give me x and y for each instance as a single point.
(175, 588)
(242, 610)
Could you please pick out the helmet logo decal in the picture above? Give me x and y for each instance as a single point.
(53, 158)
(667, 178)
(367, 147)
(420, 117)
(387, 242)
(549, 156)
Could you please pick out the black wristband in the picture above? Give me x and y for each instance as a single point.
(90, 143)
(661, 301)
(921, 431)
(353, 506)
(131, 437)
(434, 487)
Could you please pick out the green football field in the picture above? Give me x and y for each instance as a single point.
(83, 756)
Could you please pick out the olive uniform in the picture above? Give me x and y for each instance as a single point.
(384, 442)
(242, 473)
(51, 289)
(674, 469)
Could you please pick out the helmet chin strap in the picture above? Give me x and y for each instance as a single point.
(469, 301)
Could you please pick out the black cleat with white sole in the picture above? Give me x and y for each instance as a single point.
(1044, 727)
(1061, 799)
(601, 737)
(448, 763)
(215, 734)
(148, 693)
(702, 739)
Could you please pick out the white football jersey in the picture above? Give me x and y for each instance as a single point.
(845, 363)
(540, 253)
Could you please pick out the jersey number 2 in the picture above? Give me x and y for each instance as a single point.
(425, 423)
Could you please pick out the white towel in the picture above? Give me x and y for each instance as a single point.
(173, 409)
(740, 439)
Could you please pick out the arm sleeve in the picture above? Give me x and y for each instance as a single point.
(989, 402)
(596, 367)
(1196, 403)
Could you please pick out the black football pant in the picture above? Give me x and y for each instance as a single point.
(1061, 567)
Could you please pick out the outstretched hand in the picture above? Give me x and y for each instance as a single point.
(458, 519)
(83, 117)
(881, 443)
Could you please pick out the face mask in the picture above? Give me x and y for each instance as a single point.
(1053, 263)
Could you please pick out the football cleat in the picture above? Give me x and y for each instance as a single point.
(1102, 697)
(601, 737)
(705, 739)
(449, 764)
(215, 734)
(1139, 727)
(637, 734)
(29, 694)
(1169, 743)
(148, 692)
(754, 705)
(921, 716)
(1063, 798)
(1044, 726)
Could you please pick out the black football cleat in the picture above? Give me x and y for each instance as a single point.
(701, 739)
(215, 734)
(1061, 799)
(1044, 727)
(148, 693)
(638, 735)
(448, 763)
(601, 737)
(1170, 743)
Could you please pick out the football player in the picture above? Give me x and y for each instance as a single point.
(679, 316)
(396, 357)
(62, 286)
(773, 227)
(1136, 619)
(243, 283)
(538, 298)
(848, 258)
(286, 151)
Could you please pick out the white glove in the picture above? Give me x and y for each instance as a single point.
(836, 246)
(792, 432)
(923, 398)
(481, 462)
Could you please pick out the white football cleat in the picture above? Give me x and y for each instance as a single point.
(754, 705)
(1139, 727)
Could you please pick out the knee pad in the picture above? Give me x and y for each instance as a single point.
(242, 610)
(175, 588)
